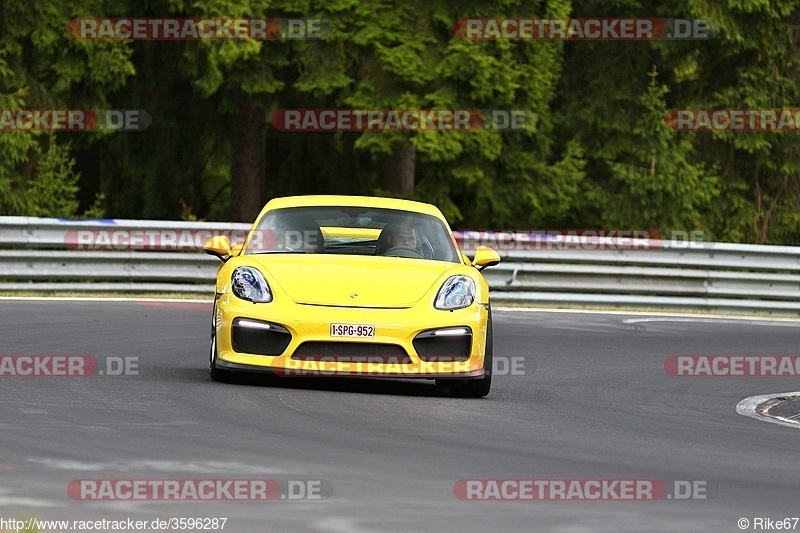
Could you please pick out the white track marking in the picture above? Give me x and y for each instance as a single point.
(340, 525)
(8, 500)
(504, 309)
(646, 314)
(207, 300)
(196, 467)
(728, 320)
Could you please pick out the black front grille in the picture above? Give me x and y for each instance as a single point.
(361, 352)
(268, 339)
(445, 348)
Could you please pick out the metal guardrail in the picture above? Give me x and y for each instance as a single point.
(133, 235)
(157, 256)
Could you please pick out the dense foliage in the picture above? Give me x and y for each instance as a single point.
(600, 154)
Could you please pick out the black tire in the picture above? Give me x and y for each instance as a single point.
(476, 388)
(216, 373)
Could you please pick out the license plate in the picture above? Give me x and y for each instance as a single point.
(352, 330)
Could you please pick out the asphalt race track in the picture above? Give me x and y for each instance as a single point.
(593, 401)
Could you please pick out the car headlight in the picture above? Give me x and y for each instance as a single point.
(457, 292)
(249, 284)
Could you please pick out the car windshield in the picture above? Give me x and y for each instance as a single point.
(353, 231)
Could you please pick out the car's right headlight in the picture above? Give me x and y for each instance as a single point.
(457, 292)
(248, 283)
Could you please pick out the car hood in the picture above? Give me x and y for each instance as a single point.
(352, 281)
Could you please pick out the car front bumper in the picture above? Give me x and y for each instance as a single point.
(390, 353)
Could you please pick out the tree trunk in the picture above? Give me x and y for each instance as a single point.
(397, 170)
(247, 161)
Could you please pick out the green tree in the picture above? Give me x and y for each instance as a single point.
(42, 67)
(754, 63)
(656, 181)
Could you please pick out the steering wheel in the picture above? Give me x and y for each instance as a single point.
(403, 251)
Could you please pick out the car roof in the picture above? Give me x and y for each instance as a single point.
(353, 201)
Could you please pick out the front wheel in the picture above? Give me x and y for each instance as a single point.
(475, 388)
(216, 373)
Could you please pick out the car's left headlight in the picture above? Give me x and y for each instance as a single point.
(457, 292)
(248, 283)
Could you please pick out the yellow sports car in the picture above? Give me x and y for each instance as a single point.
(353, 286)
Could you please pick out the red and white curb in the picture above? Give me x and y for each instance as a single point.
(758, 407)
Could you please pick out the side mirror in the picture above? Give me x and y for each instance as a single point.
(219, 246)
(236, 249)
(485, 257)
(466, 259)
